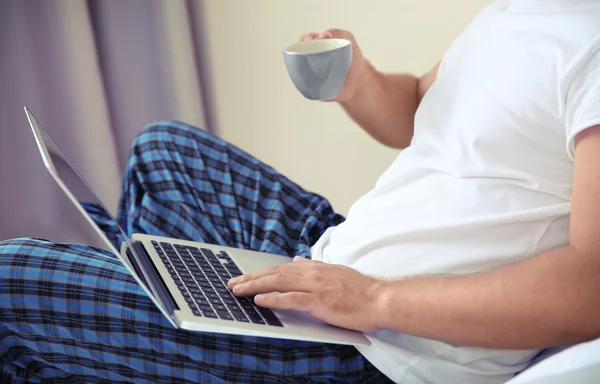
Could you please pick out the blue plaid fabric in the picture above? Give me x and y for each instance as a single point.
(72, 313)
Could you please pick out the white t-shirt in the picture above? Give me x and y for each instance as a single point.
(487, 178)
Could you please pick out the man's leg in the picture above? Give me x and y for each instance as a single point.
(185, 183)
(73, 314)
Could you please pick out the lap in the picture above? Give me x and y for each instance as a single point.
(79, 310)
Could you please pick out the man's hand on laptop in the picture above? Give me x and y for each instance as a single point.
(335, 294)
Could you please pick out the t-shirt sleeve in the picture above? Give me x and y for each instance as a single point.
(583, 101)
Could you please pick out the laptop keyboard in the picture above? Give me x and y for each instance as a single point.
(202, 276)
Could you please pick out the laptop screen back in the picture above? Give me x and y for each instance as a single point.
(98, 225)
(99, 228)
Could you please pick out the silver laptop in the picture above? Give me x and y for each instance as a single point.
(187, 280)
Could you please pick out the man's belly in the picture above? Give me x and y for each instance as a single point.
(440, 223)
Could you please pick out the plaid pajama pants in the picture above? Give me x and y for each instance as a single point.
(72, 313)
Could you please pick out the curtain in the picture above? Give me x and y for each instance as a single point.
(94, 73)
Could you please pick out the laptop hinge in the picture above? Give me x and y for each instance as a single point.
(157, 283)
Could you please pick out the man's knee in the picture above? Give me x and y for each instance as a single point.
(171, 131)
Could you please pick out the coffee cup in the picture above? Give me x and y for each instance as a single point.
(318, 68)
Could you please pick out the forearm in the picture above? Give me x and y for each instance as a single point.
(548, 300)
(384, 105)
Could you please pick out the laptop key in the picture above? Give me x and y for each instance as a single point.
(205, 308)
(210, 295)
(215, 300)
(224, 315)
(185, 294)
(239, 315)
(230, 266)
(202, 302)
(244, 300)
(219, 307)
(196, 312)
(270, 317)
(224, 292)
(209, 290)
(229, 301)
(255, 318)
(210, 314)
(224, 275)
(208, 253)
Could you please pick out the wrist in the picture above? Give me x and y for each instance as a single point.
(381, 298)
(360, 81)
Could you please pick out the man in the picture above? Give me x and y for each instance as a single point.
(477, 248)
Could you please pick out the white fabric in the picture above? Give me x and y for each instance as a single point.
(577, 365)
(487, 179)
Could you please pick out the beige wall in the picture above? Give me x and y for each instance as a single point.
(315, 143)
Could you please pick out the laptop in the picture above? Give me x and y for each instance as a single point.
(186, 280)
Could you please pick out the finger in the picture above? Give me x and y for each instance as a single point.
(308, 36)
(298, 301)
(288, 268)
(325, 35)
(336, 32)
(281, 282)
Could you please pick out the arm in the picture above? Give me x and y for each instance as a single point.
(548, 300)
(384, 105)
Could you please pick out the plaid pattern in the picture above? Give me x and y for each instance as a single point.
(72, 314)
